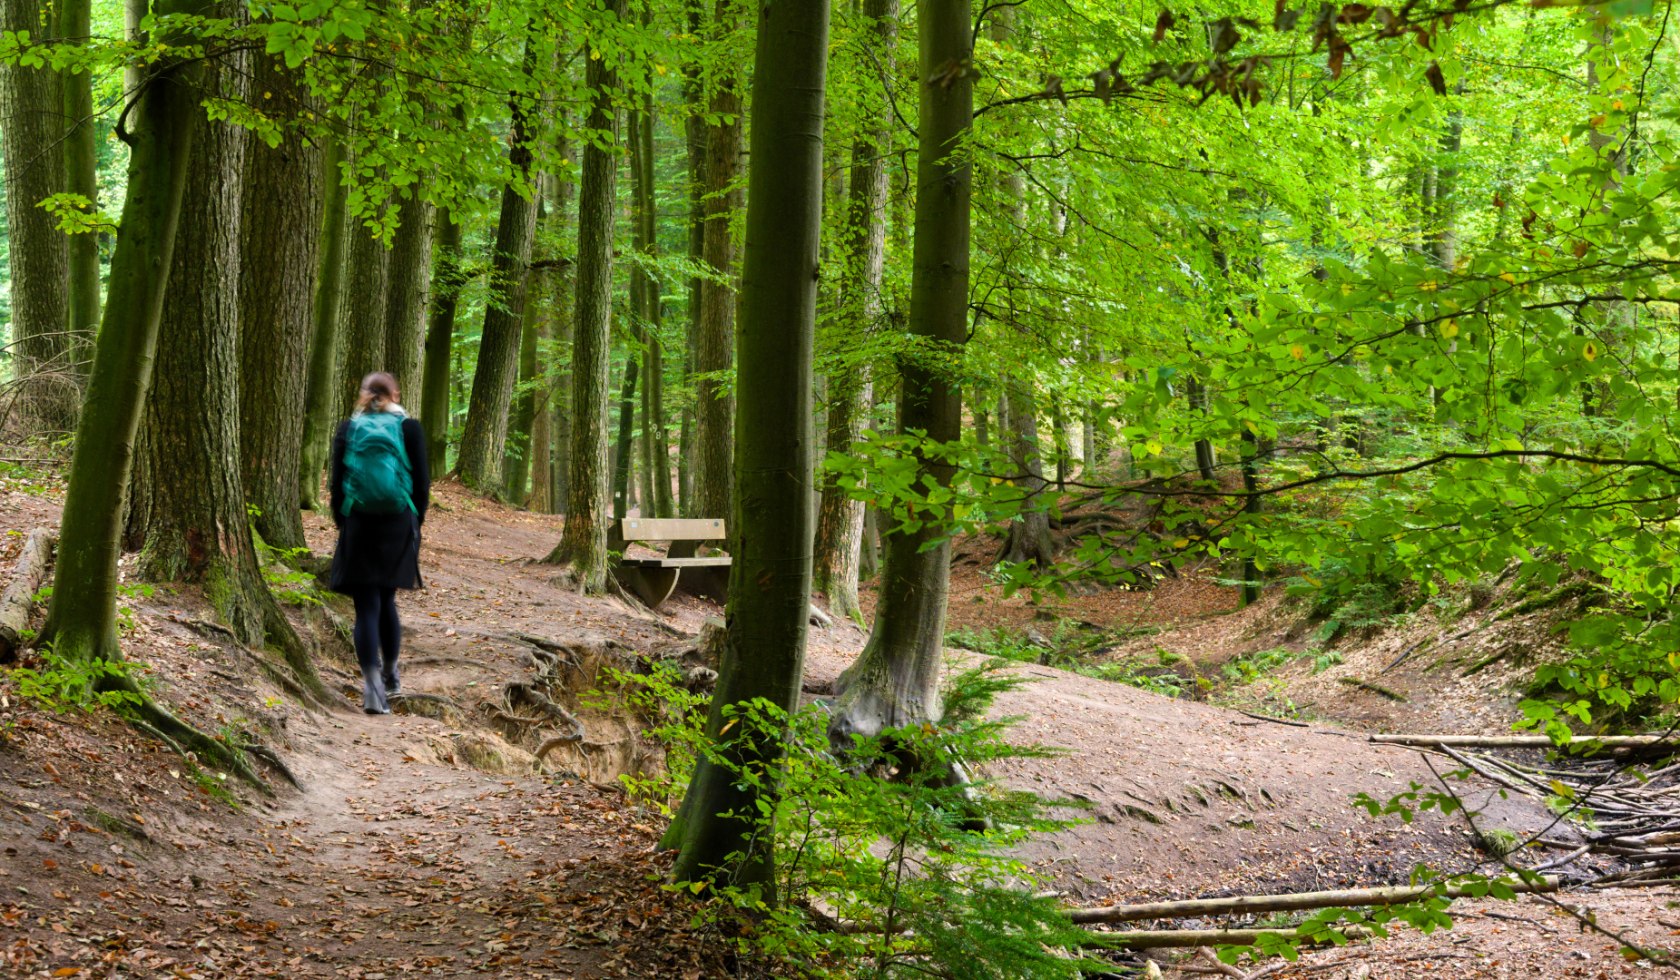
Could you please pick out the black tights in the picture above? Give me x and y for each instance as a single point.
(377, 632)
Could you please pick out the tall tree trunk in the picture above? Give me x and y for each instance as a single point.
(197, 529)
(1029, 534)
(516, 458)
(623, 447)
(583, 542)
(407, 284)
(366, 297)
(81, 177)
(30, 114)
(839, 518)
(717, 830)
(557, 398)
(715, 347)
(82, 615)
(1196, 393)
(440, 336)
(280, 233)
(695, 135)
(656, 439)
(895, 681)
(484, 438)
(321, 405)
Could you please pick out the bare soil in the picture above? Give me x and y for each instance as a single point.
(426, 847)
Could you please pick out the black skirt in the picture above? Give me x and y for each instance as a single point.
(376, 551)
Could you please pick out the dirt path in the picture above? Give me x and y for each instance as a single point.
(398, 858)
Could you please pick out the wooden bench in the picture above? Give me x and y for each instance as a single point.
(652, 580)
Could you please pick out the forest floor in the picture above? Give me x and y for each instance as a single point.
(420, 846)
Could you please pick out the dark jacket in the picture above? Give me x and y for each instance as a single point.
(379, 550)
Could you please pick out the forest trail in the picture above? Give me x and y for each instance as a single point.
(396, 858)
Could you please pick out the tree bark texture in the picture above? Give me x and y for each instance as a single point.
(715, 345)
(583, 542)
(695, 137)
(81, 176)
(770, 578)
(30, 128)
(895, 681)
(1029, 534)
(82, 617)
(484, 438)
(195, 526)
(408, 284)
(656, 438)
(516, 457)
(321, 404)
(440, 337)
(280, 243)
(839, 535)
(366, 297)
(623, 446)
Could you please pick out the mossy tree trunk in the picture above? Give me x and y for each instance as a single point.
(484, 438)
(715, 344)
(839, 518)
(320, 402)
(280, 238)
(895, 681)
(30, 129)
(440, 337)
(770, 578)
(196, 528)
(583, 542)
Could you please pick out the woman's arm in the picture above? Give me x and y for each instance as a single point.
(414, 443)
(335, 473)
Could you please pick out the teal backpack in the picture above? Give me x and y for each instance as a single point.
(377, 475)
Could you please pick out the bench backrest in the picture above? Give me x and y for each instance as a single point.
(670, 529)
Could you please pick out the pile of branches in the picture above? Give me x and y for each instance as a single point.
(1632, 811)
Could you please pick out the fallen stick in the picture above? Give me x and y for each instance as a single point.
(1524, 741)
(16, 603)
(1190, 938)
(1253, 904)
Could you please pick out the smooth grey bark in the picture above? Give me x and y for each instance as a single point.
(484, 437)
(839, 537)
(516, 453)
(30, 114)
(623, 446)
(1028, 539)
(320, 402)
(895, 681)
(280, 240)
(583, 542)
(717, 828)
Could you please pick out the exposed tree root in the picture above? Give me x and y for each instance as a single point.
(191, 744)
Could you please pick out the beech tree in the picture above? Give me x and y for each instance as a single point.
(895, 680)
(716, 829)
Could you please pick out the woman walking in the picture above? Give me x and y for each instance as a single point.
(380, 488)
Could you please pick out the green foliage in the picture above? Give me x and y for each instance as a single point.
(64, 685)
(921, 867)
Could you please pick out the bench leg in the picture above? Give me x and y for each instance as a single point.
(707, 583)
(651, 585)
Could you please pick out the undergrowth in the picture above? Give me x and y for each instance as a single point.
(885, 869)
